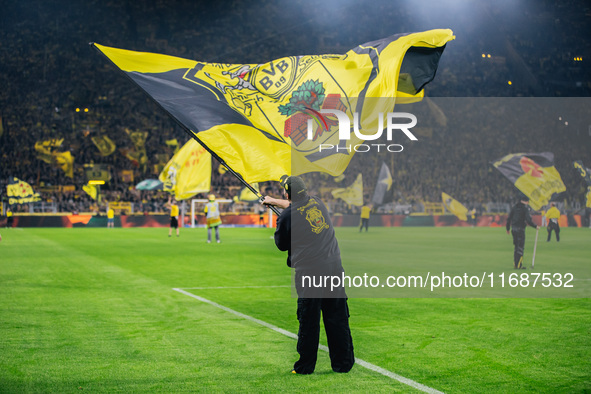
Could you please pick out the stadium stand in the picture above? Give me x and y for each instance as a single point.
(49, 71)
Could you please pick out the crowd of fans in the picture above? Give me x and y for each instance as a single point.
(50, 76)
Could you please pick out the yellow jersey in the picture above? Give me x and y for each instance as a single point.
(174, 210)
(110, 214)
(212, 211)
(365, 212)
(553, 213)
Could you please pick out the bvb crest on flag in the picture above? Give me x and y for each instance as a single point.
(253, 116)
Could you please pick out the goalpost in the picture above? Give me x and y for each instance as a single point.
(197, 205)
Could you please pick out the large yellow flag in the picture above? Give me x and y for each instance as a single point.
(247, 195)
(20, 192)
(352, 195)
(256, 116)
(65, 161)
(91, 190)
(137, 154)
(173, 143)
(534, 175)
(49, 143)
(585, 173)
(188, 172)
(44, 152)
(455, 207)
(104, 144)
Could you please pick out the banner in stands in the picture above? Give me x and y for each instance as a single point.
(376, 220)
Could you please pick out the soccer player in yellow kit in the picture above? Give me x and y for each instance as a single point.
(174, 218)
(212, 212)
(365, 211)
(110, 218)
(553, 215)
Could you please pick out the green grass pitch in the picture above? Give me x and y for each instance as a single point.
(95, 310)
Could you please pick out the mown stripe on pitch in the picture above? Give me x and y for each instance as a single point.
(365, 364)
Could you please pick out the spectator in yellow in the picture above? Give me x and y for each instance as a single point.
(212, 214)
(110, 218)
(174, 217)
(9, 218)
(365, 211)
(472, 218)
(553, 215)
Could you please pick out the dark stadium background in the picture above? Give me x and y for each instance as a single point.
(48, 70)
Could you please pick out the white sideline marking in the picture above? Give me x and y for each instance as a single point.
(359, 361)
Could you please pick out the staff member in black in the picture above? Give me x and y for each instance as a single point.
(305, 231)
(518, 218)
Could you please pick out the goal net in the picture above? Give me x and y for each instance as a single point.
(238, 214)
(198, 204)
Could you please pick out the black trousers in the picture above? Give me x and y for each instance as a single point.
(519, 242)
(553, 226)
(335, 314)
(364, 223)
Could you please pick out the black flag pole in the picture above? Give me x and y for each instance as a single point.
(222, 162)
(193, 135)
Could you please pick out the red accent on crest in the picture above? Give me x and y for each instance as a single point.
(333, 101)
(531, 167)
(296, 126)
